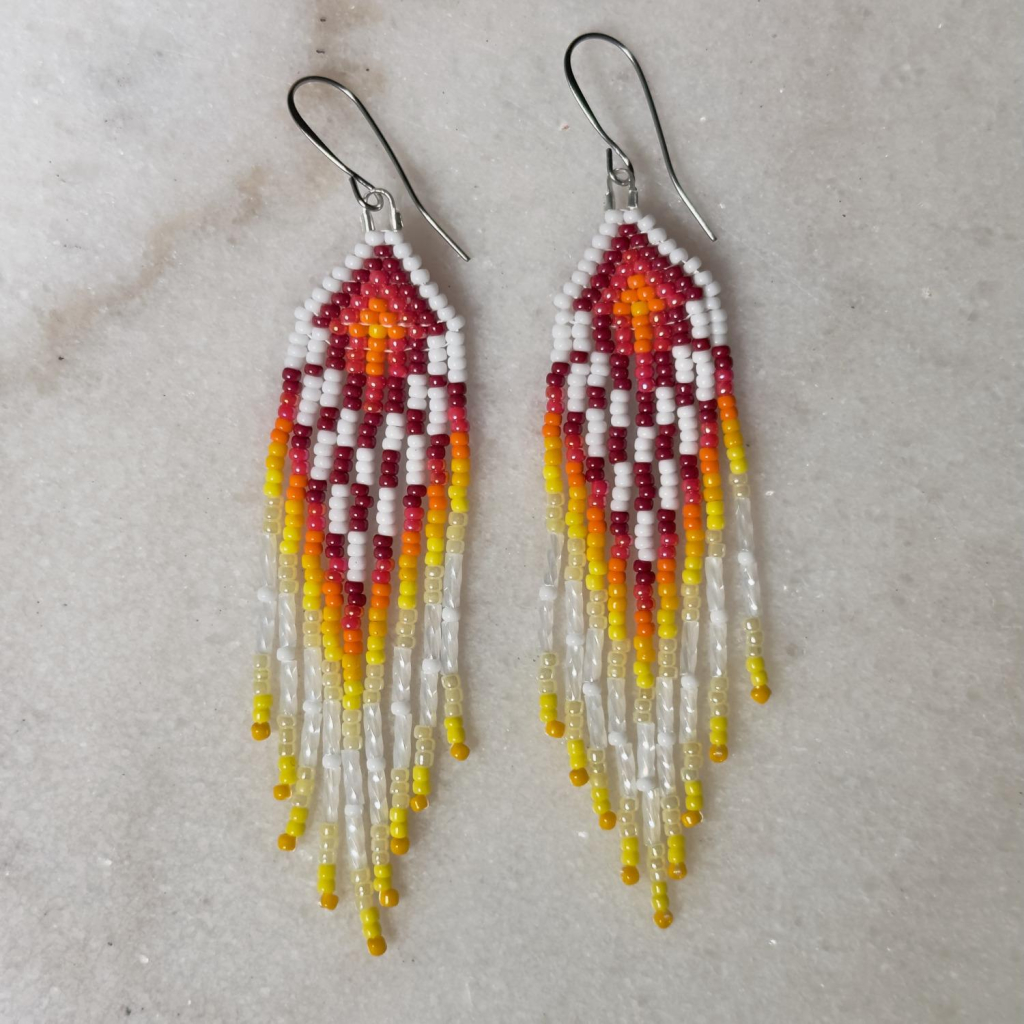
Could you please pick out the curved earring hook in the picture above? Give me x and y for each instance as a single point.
(356, 179)
(625, 175)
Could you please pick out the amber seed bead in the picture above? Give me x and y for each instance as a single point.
(389, 898)
(400, 847)
(554, 728)
(260, 731)
(718, 752)
(377, 946)
(578, 776)
(607, 821)
(329, 900)
(282, 792)
(677, 871)
(285, 841)
(691, 818)
(459, 751)
(630, 875)
(663, 918)
(759, 693)
(419, 802)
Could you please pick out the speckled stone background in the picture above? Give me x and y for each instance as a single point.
(862, 857)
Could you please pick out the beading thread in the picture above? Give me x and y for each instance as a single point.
(641, 317)
(372, 418)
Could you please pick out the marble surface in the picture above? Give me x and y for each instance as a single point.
(861, 163)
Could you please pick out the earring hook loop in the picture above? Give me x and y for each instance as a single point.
(355, 179)
(625, 175)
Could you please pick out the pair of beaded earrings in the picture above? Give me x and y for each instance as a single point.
(378, 353)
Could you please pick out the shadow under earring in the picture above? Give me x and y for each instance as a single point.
(640, 356)
(372, 422)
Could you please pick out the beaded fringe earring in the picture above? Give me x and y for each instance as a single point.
(639, 314)
(377, 352)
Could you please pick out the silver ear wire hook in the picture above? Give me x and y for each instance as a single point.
(625, 176)
(372, 200)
